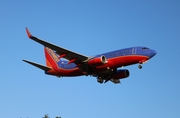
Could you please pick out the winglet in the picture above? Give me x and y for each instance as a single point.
(28, 33)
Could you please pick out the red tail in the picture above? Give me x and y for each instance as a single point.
(51, 58)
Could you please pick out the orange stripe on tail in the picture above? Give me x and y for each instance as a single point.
(51, 58)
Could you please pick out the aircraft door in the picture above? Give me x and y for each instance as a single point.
(134, 50)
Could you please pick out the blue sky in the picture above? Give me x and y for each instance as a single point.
(89, 28)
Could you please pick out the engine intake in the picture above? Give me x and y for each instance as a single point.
(97, 61)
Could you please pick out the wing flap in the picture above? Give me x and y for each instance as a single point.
(45, 68)
(67, 54)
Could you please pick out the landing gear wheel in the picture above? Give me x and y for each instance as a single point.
(140, 67)
(100, 80)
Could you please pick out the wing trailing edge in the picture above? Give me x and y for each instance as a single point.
(42, 67)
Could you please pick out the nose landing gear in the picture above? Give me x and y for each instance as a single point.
(140, 66)
(142, 62)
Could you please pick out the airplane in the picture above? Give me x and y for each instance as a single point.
(105, 67)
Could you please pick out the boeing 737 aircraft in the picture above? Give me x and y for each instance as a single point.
(105, 66)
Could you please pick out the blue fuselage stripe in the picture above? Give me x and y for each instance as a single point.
(133, 51)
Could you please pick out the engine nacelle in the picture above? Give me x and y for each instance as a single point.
(120, 74)
(97, 61)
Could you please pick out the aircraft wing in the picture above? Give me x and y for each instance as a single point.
(62, 52)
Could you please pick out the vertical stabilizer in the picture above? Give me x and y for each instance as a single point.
(51, 58)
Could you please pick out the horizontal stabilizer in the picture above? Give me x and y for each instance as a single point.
(45, 68)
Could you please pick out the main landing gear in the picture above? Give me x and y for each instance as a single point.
(140, 66)
(100, 80)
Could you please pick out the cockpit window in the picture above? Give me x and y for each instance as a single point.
(144, 48)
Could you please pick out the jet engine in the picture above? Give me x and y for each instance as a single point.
(120, 74)
(97, 61)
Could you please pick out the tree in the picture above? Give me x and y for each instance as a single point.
(46, 116)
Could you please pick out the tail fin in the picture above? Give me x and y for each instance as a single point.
(51, 58)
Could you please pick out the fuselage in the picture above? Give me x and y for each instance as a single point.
(115, 59)
(105, 66)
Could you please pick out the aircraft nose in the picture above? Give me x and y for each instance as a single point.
(153, 53)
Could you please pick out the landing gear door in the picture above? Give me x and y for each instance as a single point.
(134, 50)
